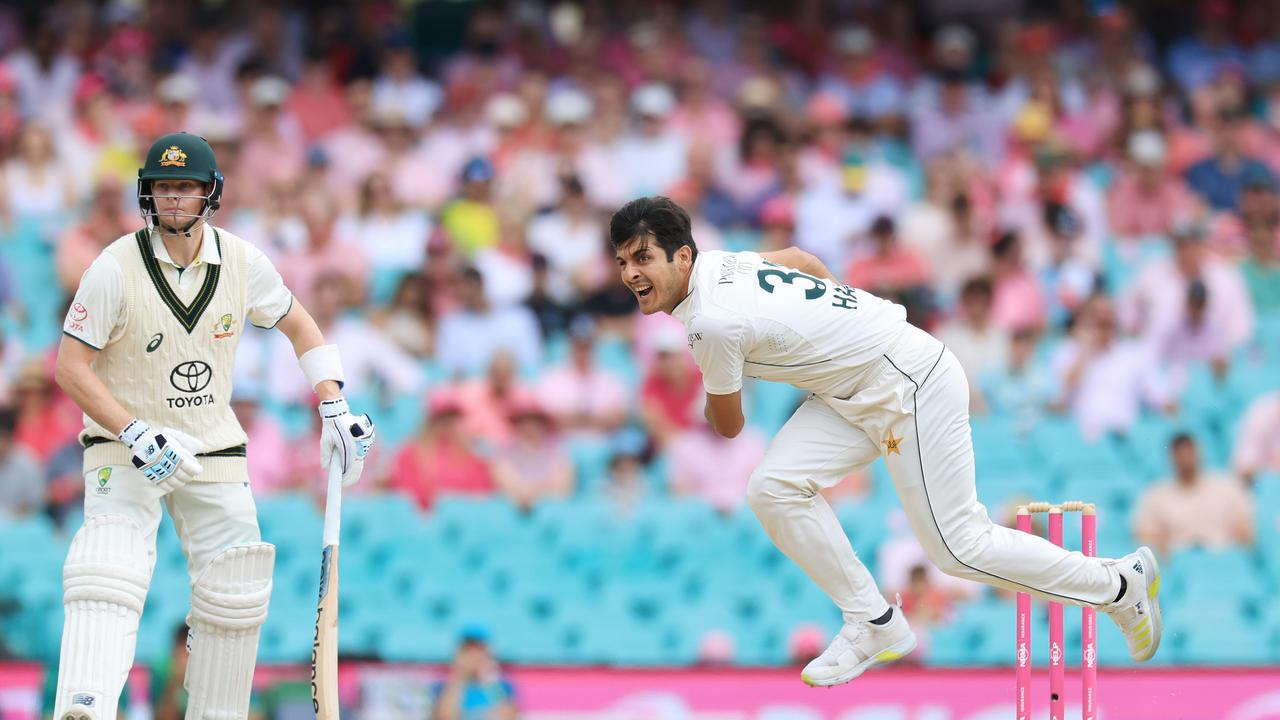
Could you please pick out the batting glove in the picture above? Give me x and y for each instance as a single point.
(166, 457)
(345, 436)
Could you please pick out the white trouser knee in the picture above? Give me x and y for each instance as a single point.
(105, 580)
(228, 607)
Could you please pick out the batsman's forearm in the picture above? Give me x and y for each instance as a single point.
(93, 397)
(305, 335)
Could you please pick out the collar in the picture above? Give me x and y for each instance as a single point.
(208, 249)
(684, 308)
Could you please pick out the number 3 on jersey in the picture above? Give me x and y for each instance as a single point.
(816, 290)
(844, 295)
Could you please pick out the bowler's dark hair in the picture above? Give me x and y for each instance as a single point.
(658, 216)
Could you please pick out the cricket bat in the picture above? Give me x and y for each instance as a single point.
(324, 651)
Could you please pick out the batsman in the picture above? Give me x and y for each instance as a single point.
(147, 353)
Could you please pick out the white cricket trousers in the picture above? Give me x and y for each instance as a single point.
(912, 408)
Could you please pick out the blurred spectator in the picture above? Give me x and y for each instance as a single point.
(474, 688)
(408, 320)
(652, 157)
(1104, 380)
(1257, 447)
(571, 238)
(551, 313)
(488, 401)
(1194, 508)
(507, 267)
(273, 148)
(1017, 298)
(1196, 58)
(1067, 278)
(957, 122)
(470, 334)
(269, 451)
(1021, 388)
(470, 219)
(945, 228)
(392, 236)
(712, 468)
(716, 648)
(1159, 303)
(1261, 269)
(978, 343)
(302, 267)
(170, 677)
(439, 460)
(45, 72)
(923, 601)
(860, 80)
(1146, 197)
(626, 483)
(701, 118)
(671, 397)
(586, 400)
(400, 85)
(532, 465)
(1219, 178)
(47, 419)
(370, 360)
(22, 489)
(890, 270)
(317, 101)
(34, 184)
(105, 222)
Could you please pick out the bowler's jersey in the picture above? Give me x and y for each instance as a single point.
(747, 316)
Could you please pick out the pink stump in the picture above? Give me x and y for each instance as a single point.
(1088, 643)
(1057, 667)
(1023, 702)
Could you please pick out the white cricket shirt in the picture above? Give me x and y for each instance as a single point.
(747, 316)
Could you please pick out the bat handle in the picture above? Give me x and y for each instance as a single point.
(333, 504)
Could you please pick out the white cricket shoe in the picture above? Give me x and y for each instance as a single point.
(857, 648)
(84, 706)
(1137, 614)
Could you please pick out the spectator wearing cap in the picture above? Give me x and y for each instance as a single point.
(1220, 178)
(439, 459)
(470, 334)
(652, 158)
(1067, 278)
(22, 487)
(1261, 269)
(1158, 302)
(392, 236)
(1146, 195)
(671, 396)
(1103, 380)
(471, 220)
(532, 465)
(400, 84)
(586, 400)
(569, 112)
(1194, 508)
(474, 688)
(176, 97)
(273, 148)
(977, 341)
(569, 236)
(859, 78)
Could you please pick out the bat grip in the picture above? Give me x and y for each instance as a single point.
(333, 505)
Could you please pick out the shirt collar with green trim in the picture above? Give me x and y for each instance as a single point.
(208, 249)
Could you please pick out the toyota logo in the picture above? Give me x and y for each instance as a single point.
(191, 376)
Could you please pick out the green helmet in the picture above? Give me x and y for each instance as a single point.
(179, 156)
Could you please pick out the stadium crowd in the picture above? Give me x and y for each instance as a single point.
(1082, 203)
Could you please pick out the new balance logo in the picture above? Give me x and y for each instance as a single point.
(1137, 567)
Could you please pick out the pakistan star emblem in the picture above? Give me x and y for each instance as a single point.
(891, 444)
